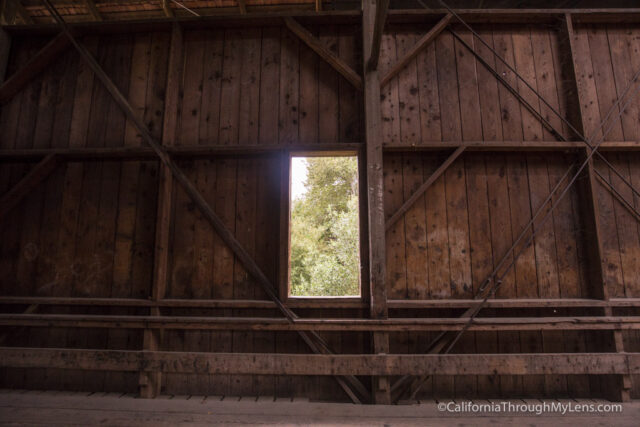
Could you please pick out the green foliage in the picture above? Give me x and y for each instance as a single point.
(324, 230)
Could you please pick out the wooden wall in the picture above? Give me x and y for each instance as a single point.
(89, 230)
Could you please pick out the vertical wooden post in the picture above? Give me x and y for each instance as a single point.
(5, 48)
(615, 387)
(150, 383)
(375, 209)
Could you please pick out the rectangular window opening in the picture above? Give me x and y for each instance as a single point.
(324, 226)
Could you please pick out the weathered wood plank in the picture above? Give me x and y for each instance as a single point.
(379, 22)
(592, 323)
(337, 63)
(303, 364)
(409, 55)
(566, 301)
(375, 198)
(35, 176)
(34, 67)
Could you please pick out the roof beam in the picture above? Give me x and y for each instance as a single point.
(270, 15)
(318, 47)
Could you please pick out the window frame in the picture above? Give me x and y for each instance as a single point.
(285, 233)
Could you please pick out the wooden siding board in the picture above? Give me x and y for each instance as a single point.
(430, 125)
(182, 283)
(109, 186)
(288, 121)
(292, 97)
(309, 93)
(328, 89)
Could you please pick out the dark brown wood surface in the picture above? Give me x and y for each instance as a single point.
(106, 234)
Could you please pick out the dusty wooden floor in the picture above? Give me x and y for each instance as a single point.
(65, 408)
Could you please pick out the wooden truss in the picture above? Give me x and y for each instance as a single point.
(151, 362)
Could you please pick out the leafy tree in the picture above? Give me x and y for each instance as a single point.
(324, 230)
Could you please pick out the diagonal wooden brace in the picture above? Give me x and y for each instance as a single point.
(421, 44)
(324, 53)
(317, 344)
(420, 191)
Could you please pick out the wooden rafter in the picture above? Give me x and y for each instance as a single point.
(93, 10)
(26, 184)
(318, 47)
(421, 44)
(35, 66)
(272, 14)
(304, 364)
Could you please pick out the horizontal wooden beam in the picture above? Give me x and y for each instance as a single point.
(323, 303)
(309, 364)
(270, 15)
(283, 324)
(513, 16)
(36, 175)
(323, 51)
(141, 153)
(34, 66)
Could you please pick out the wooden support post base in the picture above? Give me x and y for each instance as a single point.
(380, 386)
(151, 382)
